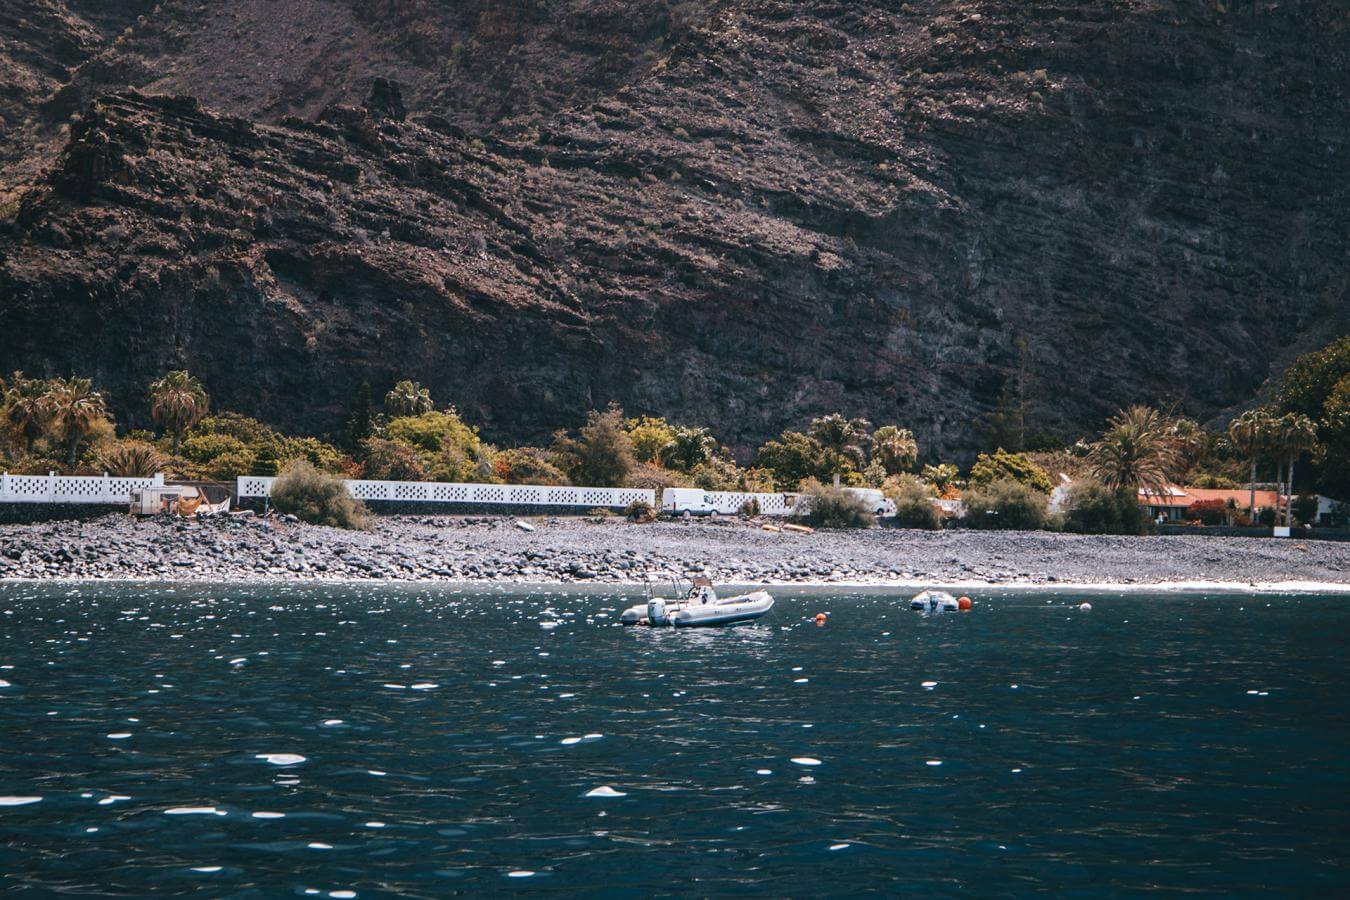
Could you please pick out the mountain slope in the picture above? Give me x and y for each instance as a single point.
(743, 213)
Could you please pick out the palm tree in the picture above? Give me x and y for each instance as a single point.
(1248, 435)
(408, 398)
(844, 440)
(25, 410)
(895, 448)
(131, 459)
(688, 446)
(74, 408)
(178, 401)
(1136, 452)
(1291, 436)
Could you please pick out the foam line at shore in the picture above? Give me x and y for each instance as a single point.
(1158, 587)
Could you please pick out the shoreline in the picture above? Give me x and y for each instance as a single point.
(1278, 588)
(611, 551)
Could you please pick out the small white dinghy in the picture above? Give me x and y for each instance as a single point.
(934, 602)
(699, 607)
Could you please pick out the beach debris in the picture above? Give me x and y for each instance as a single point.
(799, 529)
(776, 529)
(523, 525)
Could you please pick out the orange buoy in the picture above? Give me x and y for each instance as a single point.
(820, 618)
(964, 604)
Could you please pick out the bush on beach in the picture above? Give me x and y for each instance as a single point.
(826, 506)
(1093, 508)
(913, 502)
(1006, 505)
(317, 497)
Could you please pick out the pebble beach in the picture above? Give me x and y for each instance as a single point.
(598, 549)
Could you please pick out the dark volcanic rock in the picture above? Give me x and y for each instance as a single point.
(744, 213)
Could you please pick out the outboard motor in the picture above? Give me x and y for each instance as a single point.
(656, 612)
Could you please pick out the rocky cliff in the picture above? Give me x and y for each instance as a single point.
(738, 212)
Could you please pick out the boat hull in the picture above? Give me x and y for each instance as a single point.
(731, 611)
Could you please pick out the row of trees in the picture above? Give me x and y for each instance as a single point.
(64, 423)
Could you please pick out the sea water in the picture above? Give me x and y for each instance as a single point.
(363, 741)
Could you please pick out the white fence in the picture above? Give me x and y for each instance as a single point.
(453, 492)
(729, 503)
(55, 488)
(782, 504)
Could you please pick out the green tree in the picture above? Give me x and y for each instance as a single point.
(360, 422)
(1249, 436)
(130, 459)
(386, 460)
(1005, 504)
(895, 448)
(178, 401)
(527, 465)
(1310, 380)
(433, 432)
(649, 434)
(1291, 436)
(601, 455)
(1136, 452)
(25, 409)
(1317, 385)
(408, 398)
(74, 410)
(793, 458)
(942, 477)
(689, 447)
(1000, 465)
(845, 440)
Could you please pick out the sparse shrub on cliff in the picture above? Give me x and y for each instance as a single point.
(1000, 465)
(317, 497)
(1093, 508)
(826, 506)
(130, 459)
(1005, 504)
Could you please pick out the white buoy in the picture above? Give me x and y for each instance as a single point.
(1085, 606)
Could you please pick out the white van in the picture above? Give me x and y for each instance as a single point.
(689, 502)
(875, 500)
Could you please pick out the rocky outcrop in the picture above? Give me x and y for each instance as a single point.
(743, 213)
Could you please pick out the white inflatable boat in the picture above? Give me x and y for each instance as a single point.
(934, 601)
(699, 607)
